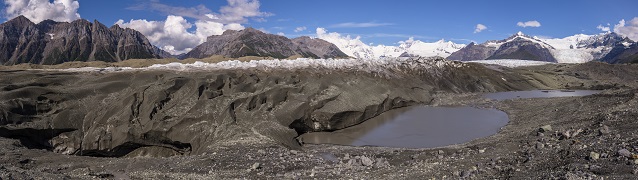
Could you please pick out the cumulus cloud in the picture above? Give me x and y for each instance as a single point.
(359, 25)
(281, 34)
(299, 29)
(171, 35)
(479, 28)
(604, 28)
(40, 10)
(529, 24)
(175, 34)
(237, 11)
(628, 29)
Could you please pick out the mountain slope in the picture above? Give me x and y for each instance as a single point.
(252, 42)
(627, 53)
(518, 46)
(50, 42)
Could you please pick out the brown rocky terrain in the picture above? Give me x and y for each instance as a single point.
(242, 123)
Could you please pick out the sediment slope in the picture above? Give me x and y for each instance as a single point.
(166, 111)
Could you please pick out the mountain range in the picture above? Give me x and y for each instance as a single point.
(606, 47)
(50, 42)
(252, 42)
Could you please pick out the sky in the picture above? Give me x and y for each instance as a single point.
(179, 25)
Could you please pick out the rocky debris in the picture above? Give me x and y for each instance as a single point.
(50, 42)
(604, 130)
(546, 128)
(252, 42)
(329, 157)
(577, 132)
(364, 161)
(231, 150)
(625, 153)
(255, 166)
(594, 156)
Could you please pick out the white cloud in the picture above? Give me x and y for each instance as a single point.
(604, 28)
(175, 34)
(237, 11)
(281, 34)
(359, 25)
(299, 29)
(172, 34)
(529, 24)
(479, 28)
(628, 29)
(40, 10)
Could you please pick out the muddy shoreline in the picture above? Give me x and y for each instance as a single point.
(249, 119)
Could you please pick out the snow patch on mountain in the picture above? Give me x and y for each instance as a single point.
(354, 47)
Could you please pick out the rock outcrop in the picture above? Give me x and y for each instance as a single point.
(50, 42)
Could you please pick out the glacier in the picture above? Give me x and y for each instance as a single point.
(389, 67)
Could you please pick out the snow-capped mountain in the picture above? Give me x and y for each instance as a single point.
(517, 46)
(579, 48)
(354, 47)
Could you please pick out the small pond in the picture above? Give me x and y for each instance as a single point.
(427, 126)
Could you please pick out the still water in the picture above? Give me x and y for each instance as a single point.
(539, 94)
(426, 126)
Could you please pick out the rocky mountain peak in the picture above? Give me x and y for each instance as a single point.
(253, 42)
(229, 32)
(19, 21)
(251, 30)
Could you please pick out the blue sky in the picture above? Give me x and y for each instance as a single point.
(380, 22)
